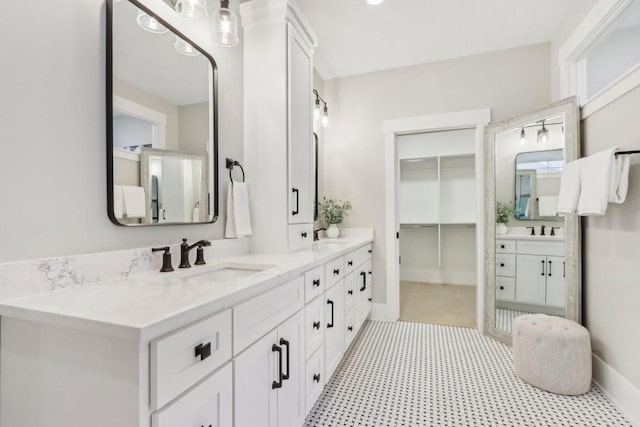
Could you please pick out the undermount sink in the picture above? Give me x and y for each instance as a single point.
(227, 272)
(328, 244)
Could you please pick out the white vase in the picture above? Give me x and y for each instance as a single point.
(333, 231)
(501, 229)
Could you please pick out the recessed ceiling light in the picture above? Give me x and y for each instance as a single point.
(374, 2)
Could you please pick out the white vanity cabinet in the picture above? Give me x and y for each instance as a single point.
(334, 334)
(278, 123)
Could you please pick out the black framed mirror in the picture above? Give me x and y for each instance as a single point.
(162, 145)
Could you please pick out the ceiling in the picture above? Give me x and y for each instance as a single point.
(355, 38)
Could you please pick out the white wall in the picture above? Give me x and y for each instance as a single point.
(510, 82)
(52, 114)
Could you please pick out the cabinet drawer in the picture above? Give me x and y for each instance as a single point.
(183, 358)
(506, 246)
(300, 236)
(313, 283)
(349, 328)
(334, 271)
(314, 320)
(208, 404)
(254, 318)
(363, 254)
(315, 378)
(349, 290)
(505, 288)
(541, 248)
(505, 265)
(351, 262)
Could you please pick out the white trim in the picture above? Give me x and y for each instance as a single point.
(437, 276)
(603, 14)
(624, 395)
(392, 128)
(119, 153)
(623, 85)
(131, 108)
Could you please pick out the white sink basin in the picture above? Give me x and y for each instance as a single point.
(228, 272)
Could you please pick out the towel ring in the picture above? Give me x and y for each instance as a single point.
(230, 164)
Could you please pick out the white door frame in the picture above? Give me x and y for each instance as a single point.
(478, 119)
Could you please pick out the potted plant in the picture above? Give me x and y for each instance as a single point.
(503, 212)
(333, 212)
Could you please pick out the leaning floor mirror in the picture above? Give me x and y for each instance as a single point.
(161, 121)
(532, 254)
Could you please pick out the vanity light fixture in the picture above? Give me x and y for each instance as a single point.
(150, 23)
(523, 136)
(194, 9)
(185, 48)
(543, 134)
(225, 25)
(322, 115)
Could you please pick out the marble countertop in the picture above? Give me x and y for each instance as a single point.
(148, 305)
(537, 238)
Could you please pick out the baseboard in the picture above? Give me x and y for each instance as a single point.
(436, 276)
(624, 395)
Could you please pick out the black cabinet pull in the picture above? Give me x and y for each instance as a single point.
(330, 325)
(370, 299)
(370, 273)
(350, 328)
(336, 271)
(502, 264)
(502, 288)
(364, 281)
(203, 350)
(278, 383)
(350, 291)
(370, 250)
(350, 263)
(316, 325)
(316, 377)
(286, 344)
(210, 425)
(501, 246)
(304, 234)
(549, 269)
(297, 193)
(564, 269)
(316, 283)
(543, 263)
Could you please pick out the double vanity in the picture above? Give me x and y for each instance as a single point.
(247, 340)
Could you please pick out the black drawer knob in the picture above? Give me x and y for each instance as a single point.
(316, 325)
(369, 299)
(502, 288)
(350, 263)
(350, 328)
(350, 291)
(370, 250)
(304, 234)
(316, 283)
(316, 377)
(203, 350)
(336, 271)
(502, 264)
(501, 246)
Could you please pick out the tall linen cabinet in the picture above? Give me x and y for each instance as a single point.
(278, 123)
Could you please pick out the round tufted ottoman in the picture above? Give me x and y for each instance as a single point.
(552, 353)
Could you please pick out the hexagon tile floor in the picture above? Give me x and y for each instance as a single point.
(412, 374)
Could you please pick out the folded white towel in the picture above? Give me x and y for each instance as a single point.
(118, 201)
(548, 205)
(134, 201)
(569, 188)
(238, 216)
(619, 181)
(196, 214)
(595, 182)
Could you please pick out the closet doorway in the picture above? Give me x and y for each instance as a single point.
(437, 211)
(434, 207)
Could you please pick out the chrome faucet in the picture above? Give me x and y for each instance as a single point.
(185, 249)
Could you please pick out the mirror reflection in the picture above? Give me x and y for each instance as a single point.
(163, 141)
(530, 245)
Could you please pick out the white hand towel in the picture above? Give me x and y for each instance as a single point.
(134, 201)
(118, 201)
(619, 183)
(548, 205)
(595, 182)
(196, 214)
(569, 188)
(238, 215)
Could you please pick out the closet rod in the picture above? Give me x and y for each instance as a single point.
(620, 153)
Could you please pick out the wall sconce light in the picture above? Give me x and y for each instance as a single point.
(543, 135)
(523, 136)
(225, 25)
(150, 23)
(185, 48)
(317, 113)
(194, 9)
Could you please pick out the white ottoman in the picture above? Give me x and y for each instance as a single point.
(552, 353)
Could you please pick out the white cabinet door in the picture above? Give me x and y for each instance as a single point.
(369, 291)
(531, 279)
(291, 397)
(256, 373)
(334, 333)
(556, 281)
(300, 68)
(314, 323)
(362, 289)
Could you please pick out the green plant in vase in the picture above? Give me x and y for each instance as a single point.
(333, 212)
(503, 213)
